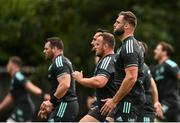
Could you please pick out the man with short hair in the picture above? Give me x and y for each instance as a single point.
(129, 99)
(63, 105)
(152, 105)
(103, 79)
(18, 95)
(166, 75)
(96, 35)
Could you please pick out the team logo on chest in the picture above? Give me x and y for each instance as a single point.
(159, 74)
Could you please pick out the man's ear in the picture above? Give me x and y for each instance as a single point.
(165, 53)
(126, 25)
(54, 49)
(105, 46)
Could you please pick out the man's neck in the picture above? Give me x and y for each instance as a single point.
(57, 54)
(126, 35)
(108, 53)
(163, 59)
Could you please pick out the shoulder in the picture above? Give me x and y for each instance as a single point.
(171, 63)
(66, 60)
(113, 56)
(19, 76)
(58, 62)
(146, 68)
(62, 62)
(104, 63)
(129, 46)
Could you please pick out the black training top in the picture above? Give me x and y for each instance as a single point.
(61, 65)
(105, 67)
(128, 55)
(18, 91)
(165, 75)
(148, 106)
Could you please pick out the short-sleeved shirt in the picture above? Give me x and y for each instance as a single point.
(165, 75)
(130, 54)
(18, 90)
(105, 67)
(61, 65)
(148, 106)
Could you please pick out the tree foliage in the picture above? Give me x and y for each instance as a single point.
(26, 24)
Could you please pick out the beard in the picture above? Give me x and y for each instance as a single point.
(93, 49)
(119, 32)
(8, 70)
(99, 54)
(48, 57)
(158, 57)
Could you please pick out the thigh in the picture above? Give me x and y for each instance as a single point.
(173, 115)
(22, 114)
(65, 112)
(110, 116)
(95, 113)
(109, 119)
(88, 118)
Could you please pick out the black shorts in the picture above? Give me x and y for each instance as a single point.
(146, 117)
(95, 112)
(128, 111)
(66, 111)
(171, 111)
(148, 114)
(22, 113)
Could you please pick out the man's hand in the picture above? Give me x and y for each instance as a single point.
(47, 97)
(108, 106)
(158, 109)
(77, 75)
(45, 108)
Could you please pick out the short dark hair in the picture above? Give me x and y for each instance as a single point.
(144, 47)
(101, 30)
(16, 60)
(55, 42)
(129, 17)
(109, 39)
(167, 47)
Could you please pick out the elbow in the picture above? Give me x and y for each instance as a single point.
(132, 79)
(39, 91)
(100, 82)
(99, 85)
(66, 86)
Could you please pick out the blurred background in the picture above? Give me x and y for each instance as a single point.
(25, 24)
